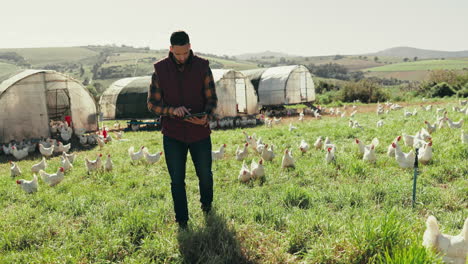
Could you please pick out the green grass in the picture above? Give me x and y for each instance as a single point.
(347, 212)
(42, 56)
(423, 65)
(6, 70)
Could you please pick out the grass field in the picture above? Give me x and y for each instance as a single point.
(423, 65)
(345, 212)
(39, 57)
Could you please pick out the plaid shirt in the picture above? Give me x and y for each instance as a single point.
(155, 94)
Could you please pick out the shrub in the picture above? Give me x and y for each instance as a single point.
(441, 89)
(364, 91)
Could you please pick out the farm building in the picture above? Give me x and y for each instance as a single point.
(235, 93)
(30, 99)
(282, 85)
(126, 99)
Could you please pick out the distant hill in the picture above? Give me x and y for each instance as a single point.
(408, 52)
(260, 55)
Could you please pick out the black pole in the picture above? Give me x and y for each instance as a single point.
(415, 177)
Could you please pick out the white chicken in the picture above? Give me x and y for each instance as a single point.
(93, 165)
(39, 166)
(257, 170)
(151, 158)
(29, 186)
(66, 133)
(6, 149)
(330, 155)
(62, 148)
(268, 153)
(369, 154)
(109, 165)
(277, 120)
(101, 143)
(304, 146)
(70, 157)
(431, 128)
(53, 179)
(425, 153)
(405, 160)
(288, 160)
(14, 169)
(46, 151)
(218, 154)
(318, 143)
(66, 165)
(408, 139)
(380, 123)
(19, 154)
(452, 124)
(453, 248)
(391, 149)
(242, 154)
(136, 156)
(119, 135)
(244, 173)
(301, 116)
(362, 147)
(83, 139)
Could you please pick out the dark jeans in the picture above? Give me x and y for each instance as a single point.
(176, 158)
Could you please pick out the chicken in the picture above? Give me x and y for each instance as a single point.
(380, 123)
(92, 165)
(268, 153)
(304, 146)
(425, 153)
(29, 186)
(109, 165)
(257, 170)
(391, 149)
(135, 156)
(405, 160)
(452, 124)
(369, 154)
(291, 127)
(242, 154)
(357, 125)
(66, 133)
(119, 135)
(330, 155)
(19, 154)
(326, 143)
(6, 150)
(408, 139)
(351, 123)
(39, 166)
(431, 128)
(62, 148)
(301, 117)
(362, 147)
(46, 151)
(353, 113)
(260, 147)
(244, 173)
(288, 160)
(70, 157)
(101, 143)
(440, 110)
(152, 158)
(453, 248)
(318, 143)
(14, 169)
(464, 137)
(277, 120)
(218, 154)
(65, 163)
(53, 179)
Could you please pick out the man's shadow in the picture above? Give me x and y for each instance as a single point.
(214, 243)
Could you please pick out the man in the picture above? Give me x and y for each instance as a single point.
(182, 84)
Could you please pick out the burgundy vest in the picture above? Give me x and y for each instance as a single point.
(184, 88)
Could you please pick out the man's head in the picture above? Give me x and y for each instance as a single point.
(180, 46)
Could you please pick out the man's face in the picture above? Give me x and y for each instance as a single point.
(181, 53)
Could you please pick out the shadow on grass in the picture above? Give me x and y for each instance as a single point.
(213, 243)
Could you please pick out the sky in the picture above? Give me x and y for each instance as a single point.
(298, 27)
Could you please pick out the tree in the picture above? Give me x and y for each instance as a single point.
(405, 59)
(415, 58)
(376, 59)
(282, 60)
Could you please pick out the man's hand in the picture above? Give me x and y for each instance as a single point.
(181, 111)
(202, 121)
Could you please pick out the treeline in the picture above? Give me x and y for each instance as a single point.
(14, 58)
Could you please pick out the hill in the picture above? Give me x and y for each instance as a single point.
(408, 52)
(265, 54)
